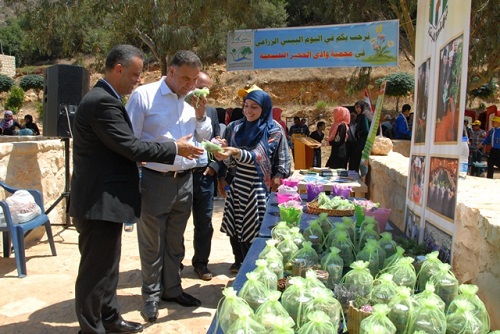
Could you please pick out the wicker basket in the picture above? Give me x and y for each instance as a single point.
(313, 208)
(354, 317)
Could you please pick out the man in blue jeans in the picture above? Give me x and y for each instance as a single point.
(204, 178)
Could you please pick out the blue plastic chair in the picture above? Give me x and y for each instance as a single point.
(16, 232)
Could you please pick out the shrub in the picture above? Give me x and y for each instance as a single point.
(15, 100)
(6, 83)
(32, 81)
(321, 105)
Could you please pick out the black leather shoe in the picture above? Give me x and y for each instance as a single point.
(149, 311)
(203, 273)
(184, 299)
(123, 326)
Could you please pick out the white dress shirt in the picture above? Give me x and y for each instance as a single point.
(160, 115)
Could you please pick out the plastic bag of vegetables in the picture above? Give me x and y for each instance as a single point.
(282, 325)
(307, 257)
(428, 269)
(368, 232)
(326, 303)
(372, 254)
(428, 317)
(384, 289)
(387, 243)
(334, 265)
(342, 241)
(463, 320)
(403, 272)
(319, 323)
(296, 298)
(231, 306)
(402, 306)
(266, 313)
(378, 318)
(313, 284)
(275, 264)
(369, 220)
(297, 236)
(350, 227)
(199, 93)
(287, 248)
(468, 292)
(266, 276)
(254, 291)
(314, 228)
(446, 283)
(246, 324)
(390, 260)
(270, 248)
(280, 231)
(428, 293)
(358, 279)
(324, 223)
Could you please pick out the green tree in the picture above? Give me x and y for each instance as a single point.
(32, 81)
(6, 83)
(15, 100)
(398, 85)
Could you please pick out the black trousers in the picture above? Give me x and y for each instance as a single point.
(240, 249)
(96, 303)
(493, 160)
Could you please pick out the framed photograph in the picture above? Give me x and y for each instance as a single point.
(436, 239)
(442, 187)
(422, 101)
(412, 224)
(417, 173)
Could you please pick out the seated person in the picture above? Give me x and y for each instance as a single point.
(400, 128)
(28, 124)
(8, 124)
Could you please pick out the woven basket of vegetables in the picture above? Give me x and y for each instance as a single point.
(314, 208)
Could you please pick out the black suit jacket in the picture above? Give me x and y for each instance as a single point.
(105, 182)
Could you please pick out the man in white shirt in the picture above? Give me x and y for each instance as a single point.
(159, 113)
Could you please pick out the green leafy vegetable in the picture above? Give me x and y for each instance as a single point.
(203, 92)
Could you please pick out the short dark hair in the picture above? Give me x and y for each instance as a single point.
(28, 118)
(185, 57)
(296, 118)
(123, 54)
(321, 123)
(406, 107)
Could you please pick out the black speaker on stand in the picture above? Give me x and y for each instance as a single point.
(64, 88)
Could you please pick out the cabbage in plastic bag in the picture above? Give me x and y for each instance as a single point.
(387, 244)
(270, 248)
(254, 291)
(390, 260)
(446, 283)
(287, 248)
(246, 324)
(428, 317)
(230, 307)
(428, 269)
(368, 232)
(268, 312)
(334, 265)
(266, 276)
(296, 298)
(319, 323)
(468, 292)
(307, 257)
(463, 320)
(324, 222)
(358, 280)
(326, 303)
(378, 318)
(384, 289)
(342, 241)
(372, 254)
(403, 272)
(429, 293)
(401, 306)
(280, 231)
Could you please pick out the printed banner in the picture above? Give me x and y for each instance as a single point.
(348, 45)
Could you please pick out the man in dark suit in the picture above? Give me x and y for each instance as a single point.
(105, 188)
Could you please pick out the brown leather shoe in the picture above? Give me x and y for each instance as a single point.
(203, 273)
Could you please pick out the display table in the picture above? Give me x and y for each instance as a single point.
(272, 216)
(353, 180)
(303, 149)
(247, 266)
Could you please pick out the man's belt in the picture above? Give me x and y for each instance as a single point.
(177, 173)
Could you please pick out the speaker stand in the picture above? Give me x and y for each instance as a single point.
(66, 193)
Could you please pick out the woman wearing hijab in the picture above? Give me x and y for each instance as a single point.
(338, 137)
(257, 148)
(8, 124)
(363, 121)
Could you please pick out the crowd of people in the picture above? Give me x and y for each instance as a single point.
(10, 127)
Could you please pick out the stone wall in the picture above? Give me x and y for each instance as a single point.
(8, 65)
(35, 163)
(476, 242)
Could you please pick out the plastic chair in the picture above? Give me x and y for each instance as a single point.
(16, 232)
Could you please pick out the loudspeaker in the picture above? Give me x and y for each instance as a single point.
(64, 88)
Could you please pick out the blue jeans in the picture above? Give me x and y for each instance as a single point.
(203, 205)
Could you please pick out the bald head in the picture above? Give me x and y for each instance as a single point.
(203, 80)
